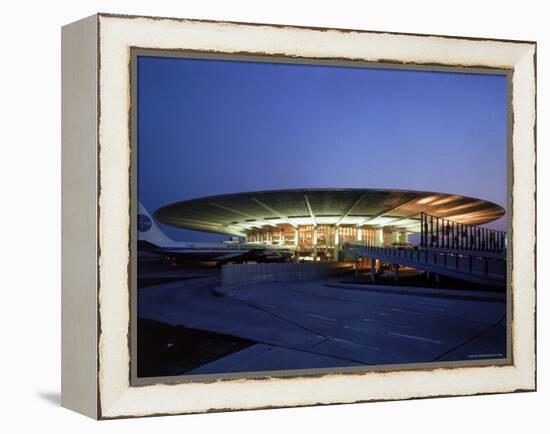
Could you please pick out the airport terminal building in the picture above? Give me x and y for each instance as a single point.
(316, 223)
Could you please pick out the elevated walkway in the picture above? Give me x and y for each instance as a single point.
(487, 268)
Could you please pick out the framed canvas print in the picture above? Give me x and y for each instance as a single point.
(260, 216)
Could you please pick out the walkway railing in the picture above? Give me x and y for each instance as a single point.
(437, 232)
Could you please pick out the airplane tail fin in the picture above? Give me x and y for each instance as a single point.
(147, 228)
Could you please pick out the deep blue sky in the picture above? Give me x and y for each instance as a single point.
(211, 127)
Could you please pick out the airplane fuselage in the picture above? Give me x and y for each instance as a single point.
(218, 252)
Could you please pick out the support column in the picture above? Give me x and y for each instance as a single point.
(379, 238)
(336, 244)
(281, 236)
(315, 242)
(359, 233)
(395, 236)
(296, 242)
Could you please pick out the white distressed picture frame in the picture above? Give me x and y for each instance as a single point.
(96, 216)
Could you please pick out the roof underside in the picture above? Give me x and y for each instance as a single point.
(238, 213)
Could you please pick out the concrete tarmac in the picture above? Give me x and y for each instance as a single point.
(323, 324)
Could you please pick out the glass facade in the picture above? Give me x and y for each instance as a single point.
(368, 236)
(325, 236)
(307, 240)
(347, 234)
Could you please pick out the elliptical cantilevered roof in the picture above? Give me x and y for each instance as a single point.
(238, 213)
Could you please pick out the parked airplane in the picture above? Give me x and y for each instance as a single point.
(151, 240)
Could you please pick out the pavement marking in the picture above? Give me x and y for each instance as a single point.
(412, 307)
(358, 329)
(312, 315)
(345, 341)
(418, 338)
